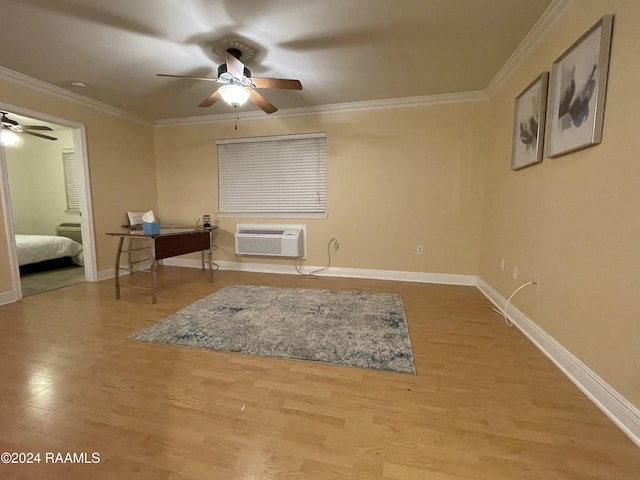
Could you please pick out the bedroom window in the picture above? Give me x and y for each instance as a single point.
(72, 190)
(282, 176)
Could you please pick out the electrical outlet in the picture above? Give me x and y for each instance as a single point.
(503, 264)
(336, 245)
(420, 250)
(514, 272)
(536, 280)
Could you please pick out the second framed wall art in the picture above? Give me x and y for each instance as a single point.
(577, 91)
(528, 124)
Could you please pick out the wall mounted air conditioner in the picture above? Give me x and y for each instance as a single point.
(270, 240)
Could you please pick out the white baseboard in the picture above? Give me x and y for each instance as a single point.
(8, 297)
(106, 274)
(111, 272)
(625, 415)
(400, 276)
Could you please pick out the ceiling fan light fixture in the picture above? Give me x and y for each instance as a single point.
(8, 138)
(234, 95)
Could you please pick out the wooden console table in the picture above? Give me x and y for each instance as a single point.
(170, 242)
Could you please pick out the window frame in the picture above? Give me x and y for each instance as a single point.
(320, 178)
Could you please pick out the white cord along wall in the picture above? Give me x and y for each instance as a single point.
(506, 305)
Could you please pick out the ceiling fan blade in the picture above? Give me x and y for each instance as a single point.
(277, 83)
(234, 66)
(264, 104)
(211, 99)
(208, 79)
(36, 127)
(7, 120)
(39, 135)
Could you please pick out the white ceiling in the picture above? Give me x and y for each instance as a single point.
(341, 50)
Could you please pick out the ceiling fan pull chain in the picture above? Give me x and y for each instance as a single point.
(237, 117)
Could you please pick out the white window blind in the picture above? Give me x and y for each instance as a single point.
(278, 176)
(71, 180)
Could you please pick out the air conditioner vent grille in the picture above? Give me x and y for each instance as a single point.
(262, 232)
(279, 241)
(259, 246)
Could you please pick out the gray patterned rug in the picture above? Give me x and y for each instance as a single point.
(357, 329)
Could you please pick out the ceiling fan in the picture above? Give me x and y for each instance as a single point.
(8, 124)
(238, 85)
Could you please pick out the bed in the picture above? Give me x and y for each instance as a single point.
(44, 252)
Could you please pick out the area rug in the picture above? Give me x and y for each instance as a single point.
(357, 329)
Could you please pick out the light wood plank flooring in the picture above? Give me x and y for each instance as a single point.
(485, 403)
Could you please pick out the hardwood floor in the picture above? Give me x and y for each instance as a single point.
(485, 403)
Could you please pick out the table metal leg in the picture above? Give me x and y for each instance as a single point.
(117, 267)
(154, 276)
(210, 258)
(129, 250)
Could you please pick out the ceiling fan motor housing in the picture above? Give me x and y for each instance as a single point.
(223, 69)
(239, 86)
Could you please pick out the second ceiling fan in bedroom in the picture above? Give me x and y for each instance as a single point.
(10, 125)
(238, 85)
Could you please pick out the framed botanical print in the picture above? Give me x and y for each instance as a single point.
(528, 124)
(577, 91)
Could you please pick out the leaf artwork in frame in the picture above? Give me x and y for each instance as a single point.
(577, 91)
(529, 123)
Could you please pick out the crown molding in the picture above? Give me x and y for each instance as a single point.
(555, 10)
(39, 85)
(405, 102)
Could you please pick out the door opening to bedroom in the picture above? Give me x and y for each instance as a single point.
(44, 202)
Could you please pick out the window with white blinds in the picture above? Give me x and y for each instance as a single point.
(282, 176)
(72, 189)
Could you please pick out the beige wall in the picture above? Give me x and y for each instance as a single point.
(396, 179)
(574, 219)
(121, 165)
(37, 184)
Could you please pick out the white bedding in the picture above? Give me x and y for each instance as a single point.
(38, 248)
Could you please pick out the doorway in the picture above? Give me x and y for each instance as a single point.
(46, 202)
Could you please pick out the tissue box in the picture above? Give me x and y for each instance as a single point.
(151, 228)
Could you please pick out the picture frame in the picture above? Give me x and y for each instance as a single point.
(134, 218)
(529, 124)
(577, 91)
